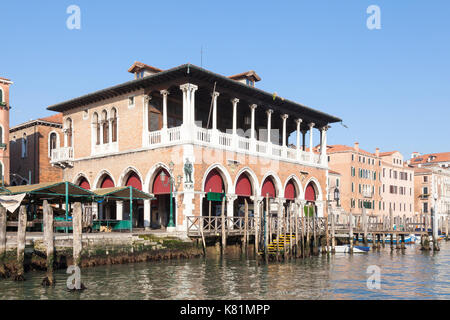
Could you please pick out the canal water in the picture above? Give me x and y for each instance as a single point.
(409, 275)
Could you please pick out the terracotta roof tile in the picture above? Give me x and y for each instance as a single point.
(342, 148)
(439, 157)
(250, 73)
(140, 65)
(56, 118)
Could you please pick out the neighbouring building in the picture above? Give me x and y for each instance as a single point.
(431, 182)
(397, 185)
(207, 132)
(360, 180)
(4, 129)
(31, 146)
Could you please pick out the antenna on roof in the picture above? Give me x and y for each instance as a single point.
(342, 124)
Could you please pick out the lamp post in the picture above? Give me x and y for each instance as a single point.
(170, 182)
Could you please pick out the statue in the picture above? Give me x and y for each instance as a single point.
(188, 168)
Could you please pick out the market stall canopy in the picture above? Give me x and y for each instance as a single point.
(57, 189)
(123, 193)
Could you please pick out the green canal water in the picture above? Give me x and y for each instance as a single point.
(409, 275)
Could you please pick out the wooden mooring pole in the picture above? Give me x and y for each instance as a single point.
(266, 233)
(435, 231)
(77, 234)
(246, 226)
(333, 236)
(49, 241)
(224, 234)
(3, 219)
(350, 233)
(21, 239)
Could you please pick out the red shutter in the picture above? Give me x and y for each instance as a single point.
(160, 187)
(268, 188)
(243, 186)
(289, 192)
(134, 181)
(214, 182)
(310, 193)
(107, 182)
(84, 184)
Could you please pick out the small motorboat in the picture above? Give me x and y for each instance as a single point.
(346, 249)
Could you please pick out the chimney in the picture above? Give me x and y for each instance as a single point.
(415, 155)
(356, 146)
(377, 152)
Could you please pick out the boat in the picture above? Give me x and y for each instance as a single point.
(346, 249)
(410, 239)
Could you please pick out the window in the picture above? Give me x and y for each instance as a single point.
(52, 145)
(105, 126)
(425, 207)
(24, 145)
(131, 101)
(337, 182)
(353, 187)
(353, 157)
(114, 124)
(96, 127)
(1, 135)
(250, 83)
(425, 178)
(425, 190)
(1, 95)
(68, 132)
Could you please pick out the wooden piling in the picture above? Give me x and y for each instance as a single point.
(364, 225)
(308, 235)
(3, 219)
(246, 226)
(333, 235)
(266, 235)
(224, 234)
(434, 229)
(446, 228)
(21, 239)
(290, 231)
(397, 241)
(49, 243)
(403, 247)
(77, 234)
(350, 233)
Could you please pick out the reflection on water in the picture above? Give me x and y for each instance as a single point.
(412, 275)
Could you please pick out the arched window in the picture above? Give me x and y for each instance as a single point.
(1, 173)
(69, 132)
(114, 124)
(24, 145)
(96, 126)
(105, 126)
(53, 143)
(1, 135)
(1, 95)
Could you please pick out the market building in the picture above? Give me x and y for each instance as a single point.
(189, 134)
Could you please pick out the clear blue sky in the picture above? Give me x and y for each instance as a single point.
(391, 86)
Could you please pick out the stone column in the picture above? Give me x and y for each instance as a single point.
(230, 208)
(164, 93)
(284, 117)
(252, 128)
(119, 210)
(299, 123)
(235, 102)
(215, 132)
(193, 88)
(145, 129)
(188, 109)
(147, 214)
(323, 146)
(311, 141)
(269, 129)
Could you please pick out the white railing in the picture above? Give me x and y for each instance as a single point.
(154, 137)
(62, 154)
(174, 134)
(227, 141)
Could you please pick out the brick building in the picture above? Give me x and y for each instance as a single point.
(360, 182)
(31, 145)
(4, 129)
(397, 188)
(207, 132)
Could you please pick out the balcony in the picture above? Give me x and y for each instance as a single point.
(62, 157)
(367, 193)
(230, 142)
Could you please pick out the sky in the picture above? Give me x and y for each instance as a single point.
(390, 85)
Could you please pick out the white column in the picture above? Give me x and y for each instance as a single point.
(164, 93)
(119, 210)
(145, 132)
(109, 131)
(188, 109)
(186, 103)
(298, 122)
(235, 102)
(214, 119)
(192, 90)
(323, 146)
(147, 214)
(311, 142)
(252, 128)
(269, 130)
(284, 117)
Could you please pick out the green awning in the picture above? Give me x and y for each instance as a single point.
(57, 189)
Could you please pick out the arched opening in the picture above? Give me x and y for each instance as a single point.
(268, 190)
(1, 134)
(243, 191)
(133, 180)
(105, 126)
(84, 183)
(213, 184)
(96, 127)
(114, 125)
(69, 132)
(310, 197)
(160, 207)
(107, 209)
(290, 194)
(1, 95)
(53, 140)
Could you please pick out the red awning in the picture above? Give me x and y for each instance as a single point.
(310, 193)
(160, 187)
(134, 181)
(214, 182)
(84, 184)
(268, 188)
(243, 186)
(107, 183)
(289, 192)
